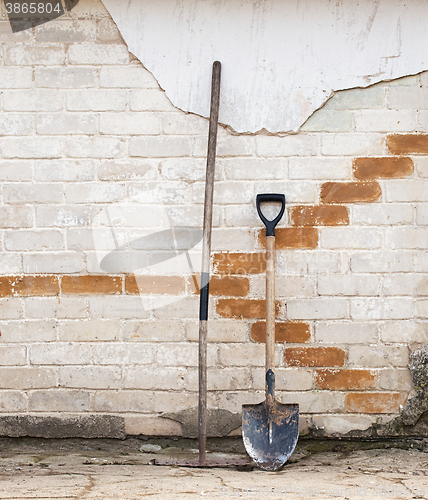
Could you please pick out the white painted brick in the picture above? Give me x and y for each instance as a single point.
(113, 353)
(117, 307)
(60, 354)
(295, 191)
(58, 400)
(64, 77)
(184, 308)
(317, 309)
(130, 123)
(242, 355)
(219, 331)
(224, 379)
(225, 192)
(386, 121)
(32, 100)
(16, 78)
(181, 215)
(233, 401)
(227, 145)
(181, 123)
(285, 286)
(12, 355)
(98, 53)
(286, 379)
(159, 146)
(183, 354)
(336, 425)
(81, 331)
(107, 31)
(63, 216)
(346, 332)
(179, 400)
(8, 36)
(378, 356)
(11, 308)
(421, 309)
(64, 170)
(30, 147)
(95, 238)
(66, 31)
(123, 401)
(382, 215)
(56, 307)
(381, 308)
(165, 379)
(421, 165)
(16, 217)
(16, 124)
(16, 170)
(29, 331)
(290, 145)
(421, 262)
(319, 168)
(404, 332)
(307, 262)
(406, 190)
(185, 169)
(228, 239)
(398, 379)
(90, 377)
(32, 55)
(53, 262)
(358, 98)
(348, 284)
(421, 214)
(351, 144)
(127, 77)
(149, 100)
(314, 402)
(12, 401)
(10, 263)
(33, 240)
(254, 168)
(96, 100)
(243, 215)
(94, 192)
(405, 284)
(66, 123)
(127, 169)
(409, 97)
(153, 331)
(325, 120)
(25, 378)
(167, 192)
(132, 215)
(423, 121)
(350, 237)
(383, 261)
(32, 193)
(407, 237)
(94, 147)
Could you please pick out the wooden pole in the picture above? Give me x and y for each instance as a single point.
(206, 255)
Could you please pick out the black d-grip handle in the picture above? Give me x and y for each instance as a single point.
(270, 224)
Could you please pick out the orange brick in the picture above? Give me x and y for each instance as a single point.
(338, 380)
(374, 402)
(314, 356)
(229, 285)
(407, 144)
(91, 284)
(350, 192)
(243, 308)
(367, 169)
(172, 285)
(289, 331)
(239, 263)
(26, 286)
(292, 237)
(321, 215)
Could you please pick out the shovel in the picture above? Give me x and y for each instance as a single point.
(270, 429)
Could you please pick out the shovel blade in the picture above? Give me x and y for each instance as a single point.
(270, 433)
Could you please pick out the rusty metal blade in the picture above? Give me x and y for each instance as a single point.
(270, 433)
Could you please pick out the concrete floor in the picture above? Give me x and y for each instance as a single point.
(32, 468)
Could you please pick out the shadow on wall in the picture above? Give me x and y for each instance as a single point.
(24, 15)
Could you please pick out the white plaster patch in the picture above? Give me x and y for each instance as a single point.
(281, 59)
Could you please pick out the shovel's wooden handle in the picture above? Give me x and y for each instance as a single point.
(270, 303)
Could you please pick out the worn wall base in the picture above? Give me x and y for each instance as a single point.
(93, 426)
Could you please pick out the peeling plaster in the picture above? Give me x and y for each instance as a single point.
(281, 59)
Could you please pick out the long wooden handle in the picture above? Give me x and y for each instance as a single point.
(206, 252)
(270, 303)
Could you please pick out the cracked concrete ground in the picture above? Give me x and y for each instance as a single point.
(32, 468)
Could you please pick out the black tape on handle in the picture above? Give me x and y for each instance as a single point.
(204, 294)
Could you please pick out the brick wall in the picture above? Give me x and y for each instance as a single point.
(99, 297)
